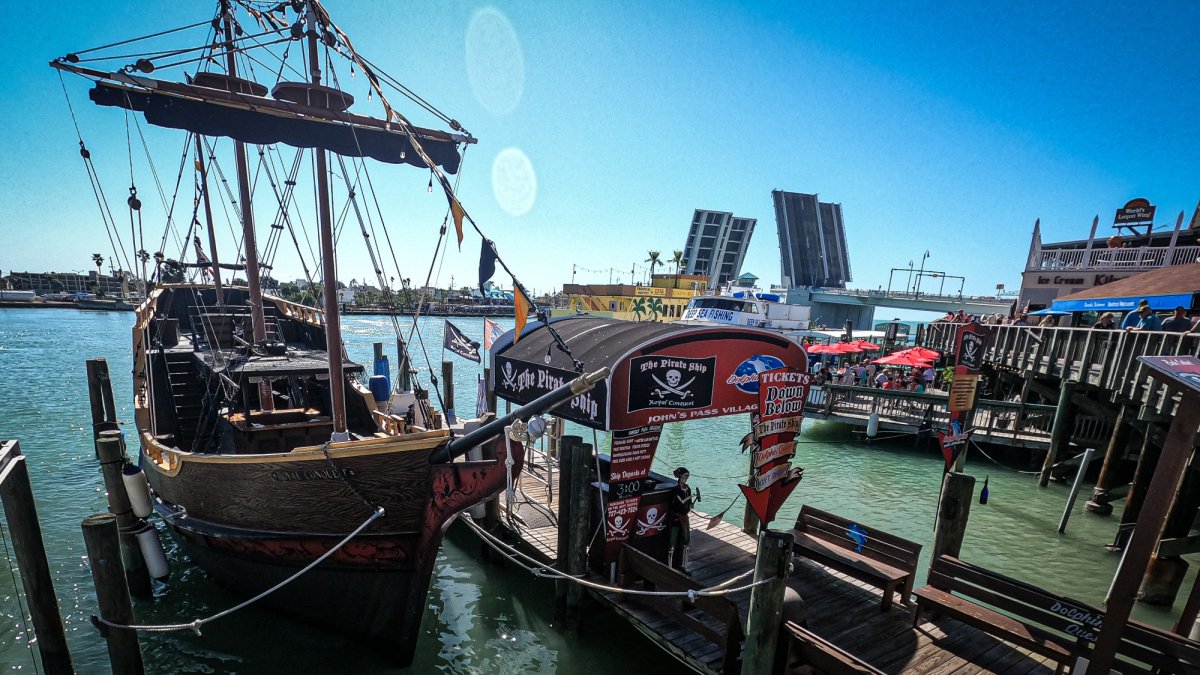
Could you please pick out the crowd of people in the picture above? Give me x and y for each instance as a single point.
(863, 373)
(1140, 318)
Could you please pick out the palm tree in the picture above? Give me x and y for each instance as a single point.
(99, 261)
(656, 307)
(677, 258)
(654, 262)
(638, 307)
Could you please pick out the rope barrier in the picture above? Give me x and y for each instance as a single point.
(195, 625)
(537, 569)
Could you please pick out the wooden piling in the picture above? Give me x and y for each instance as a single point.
(112, 460)
(448, 391)
(104, 409)
(108, 574)
(1060, 433)
(20, 513)
(1099, 503)
(567, 468)
(954, 509)
(491, 392)
(765, 615)
(580, 461)
(1142, 473)
(403, 376)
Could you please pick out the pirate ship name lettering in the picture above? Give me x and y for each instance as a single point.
(313, 474)
(777, 426)
(775, 452)
(542, 381)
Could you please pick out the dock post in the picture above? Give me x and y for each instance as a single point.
(1167, 569)
(1099, 504)
(1146, 465)
(572, 469)
(491, 508)
(765, 615)
(104, 411)
(104, 554)
(112, 460)
(1083, 467)
(20, 512)
(448, 391)
(1060, 433)
(953, 511)
(580, 516)
(403, 377)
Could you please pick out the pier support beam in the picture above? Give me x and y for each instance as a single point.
(448, 391)
(1060, 433)
(20, 513)
(1164, 576)
(1099, 503)
(765, 616)
(954, 510)
(1146, 465)
(104, 553)
(574, 516)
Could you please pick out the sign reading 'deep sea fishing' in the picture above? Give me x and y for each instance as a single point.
(781, 396)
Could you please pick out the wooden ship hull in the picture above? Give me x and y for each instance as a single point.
(253, 498)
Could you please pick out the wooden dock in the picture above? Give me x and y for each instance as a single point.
(839, 609)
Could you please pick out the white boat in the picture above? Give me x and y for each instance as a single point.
(746, 307)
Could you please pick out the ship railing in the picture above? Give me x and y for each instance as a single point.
(1104, 359)
(1006, 421)
(298, 312)
(1127, 258)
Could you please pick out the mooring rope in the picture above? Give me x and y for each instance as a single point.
(197, 623)
(538, 569)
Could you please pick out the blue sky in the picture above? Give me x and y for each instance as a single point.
(947, 130)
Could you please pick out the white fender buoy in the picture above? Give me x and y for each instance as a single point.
(153, 553)
(873, 425)
(138, 489)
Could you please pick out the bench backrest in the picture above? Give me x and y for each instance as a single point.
(881, 546)
(1076, 624)
(821, 655)
(633, 565)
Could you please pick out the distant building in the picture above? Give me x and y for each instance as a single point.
(812, 241)
(663, 300)
(72, 282)
(716, 246)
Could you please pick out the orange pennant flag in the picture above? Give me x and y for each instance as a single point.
(456, 210)
(521, 307)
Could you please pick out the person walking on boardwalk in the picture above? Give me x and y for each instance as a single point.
(680, 509)
(1135, 315)
(1147, 320)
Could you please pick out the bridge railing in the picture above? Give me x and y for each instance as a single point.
(1106, 359)
(1005, 422)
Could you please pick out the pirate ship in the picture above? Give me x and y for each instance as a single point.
(263, 448)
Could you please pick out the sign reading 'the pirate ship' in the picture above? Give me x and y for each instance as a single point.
(671, 382)
(782, 393)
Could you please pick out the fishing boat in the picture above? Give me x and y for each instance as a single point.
(741, 306)
(264, 449)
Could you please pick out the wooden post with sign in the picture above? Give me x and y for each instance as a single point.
(20, 513)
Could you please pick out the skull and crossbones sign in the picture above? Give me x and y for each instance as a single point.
(673, 385)
(653, 522)
(619, 527)
(510, 376)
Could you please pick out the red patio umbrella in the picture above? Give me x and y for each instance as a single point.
(920, 352)
(818, 349)
(899, 359)
(844, 348)
(865, 345)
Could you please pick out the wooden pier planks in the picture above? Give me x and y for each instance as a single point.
(839, 609)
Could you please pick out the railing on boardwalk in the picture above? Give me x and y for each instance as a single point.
(1106, 359)
(1008, 423)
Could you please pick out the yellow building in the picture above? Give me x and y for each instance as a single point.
(663, 300)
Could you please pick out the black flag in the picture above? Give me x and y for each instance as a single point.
(487, 263)
(454, 340)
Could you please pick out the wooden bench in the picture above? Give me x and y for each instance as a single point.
(805, 648)
(883, 560)
(1047, 623)
(715, 618)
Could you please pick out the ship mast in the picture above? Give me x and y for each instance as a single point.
(333, 320)
(266, 399)
(208, 221)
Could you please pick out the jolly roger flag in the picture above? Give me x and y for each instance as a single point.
(454, 340)
(487, 263)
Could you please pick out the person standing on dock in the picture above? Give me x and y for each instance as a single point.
(1107, 321)
(680, 508)
(1147, 320)
(1133, 317)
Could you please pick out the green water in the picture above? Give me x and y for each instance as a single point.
(479, 617)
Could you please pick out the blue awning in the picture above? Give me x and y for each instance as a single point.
(1157, 302)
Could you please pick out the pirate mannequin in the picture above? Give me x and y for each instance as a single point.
(680, 508)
